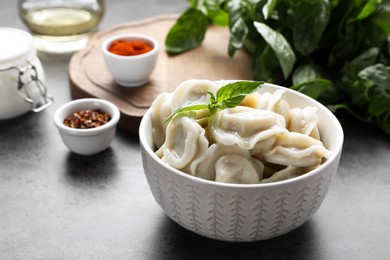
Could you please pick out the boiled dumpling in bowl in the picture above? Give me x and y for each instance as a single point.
(245, 127)
(160, 110)
(304, 121)
(185, 142)
(274, 102)
(296, 149)
(257, 140)
(285, 174)
(228, 163)
(192, 91)
(234, 168)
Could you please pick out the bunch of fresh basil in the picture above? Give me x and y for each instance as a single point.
(336, 51)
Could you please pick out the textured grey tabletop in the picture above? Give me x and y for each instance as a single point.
(58, 205)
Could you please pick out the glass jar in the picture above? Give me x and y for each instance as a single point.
(61, 26)
(22, 86)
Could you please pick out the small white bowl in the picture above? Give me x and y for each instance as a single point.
(92, 140)
(243, 212)
(130, 71)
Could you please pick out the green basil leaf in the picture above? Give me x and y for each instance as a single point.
(320, 89)
(193, 3)
(313, 88)
(265, 65)
(314, 81)
(306, 73)
(236, 90)
(310, 18)
(237, 26)
(268, 8)
(188, 32)
(347, 46)
(214, 11)
(187, 109)
(279, 45)
(379, 109)
(334, 3)
(369, 8)
(349, 110)
(379, 75)
(366, 59)
(382, 20)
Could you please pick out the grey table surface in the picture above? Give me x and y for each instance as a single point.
(58, 205)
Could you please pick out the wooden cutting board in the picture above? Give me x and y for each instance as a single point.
(89, 77)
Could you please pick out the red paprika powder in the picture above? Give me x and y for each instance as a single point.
(129, 48)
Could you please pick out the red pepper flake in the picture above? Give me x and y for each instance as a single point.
(129, 48)
(84, 119)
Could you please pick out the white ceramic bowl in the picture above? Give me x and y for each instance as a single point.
(130, 71)
(92, 140)
(243, 212)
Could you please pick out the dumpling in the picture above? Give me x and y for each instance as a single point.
(304, 121)
(160, 111)
(206, 168)
(296, 149)
(275, 103)
(246, 127)
(185, 142)
(194, 90)
(235, 168)
(285, 174)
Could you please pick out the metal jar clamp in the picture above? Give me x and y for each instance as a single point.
(27, 76)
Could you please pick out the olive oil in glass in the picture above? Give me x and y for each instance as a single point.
(61, 26)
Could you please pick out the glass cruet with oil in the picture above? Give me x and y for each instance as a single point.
(61, 26)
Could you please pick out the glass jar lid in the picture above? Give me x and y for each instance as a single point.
(15, 46)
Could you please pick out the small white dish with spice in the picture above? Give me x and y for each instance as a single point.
(87, 126)
(130, 58)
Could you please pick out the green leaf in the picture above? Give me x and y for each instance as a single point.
(369, 8)
(310, 18)
(312, 80)
(379, 108)
(188, 32)
(334, 3)
(347, 45)
(237, 26)
(187, 109)
(322, 90)
(369, 89)
(305, 73)
(219, 16)
(193, 3)
(313, 88)
(279, 45)
(382, 20)
(378, 75)
(366, 59)
(265, 65)
(237, 89)
(337, 108)
(268, 8)
(232, 94)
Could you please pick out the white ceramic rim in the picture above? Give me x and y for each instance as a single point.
(11, 58)
(334, 155)
(130, 36)
(58, 119)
